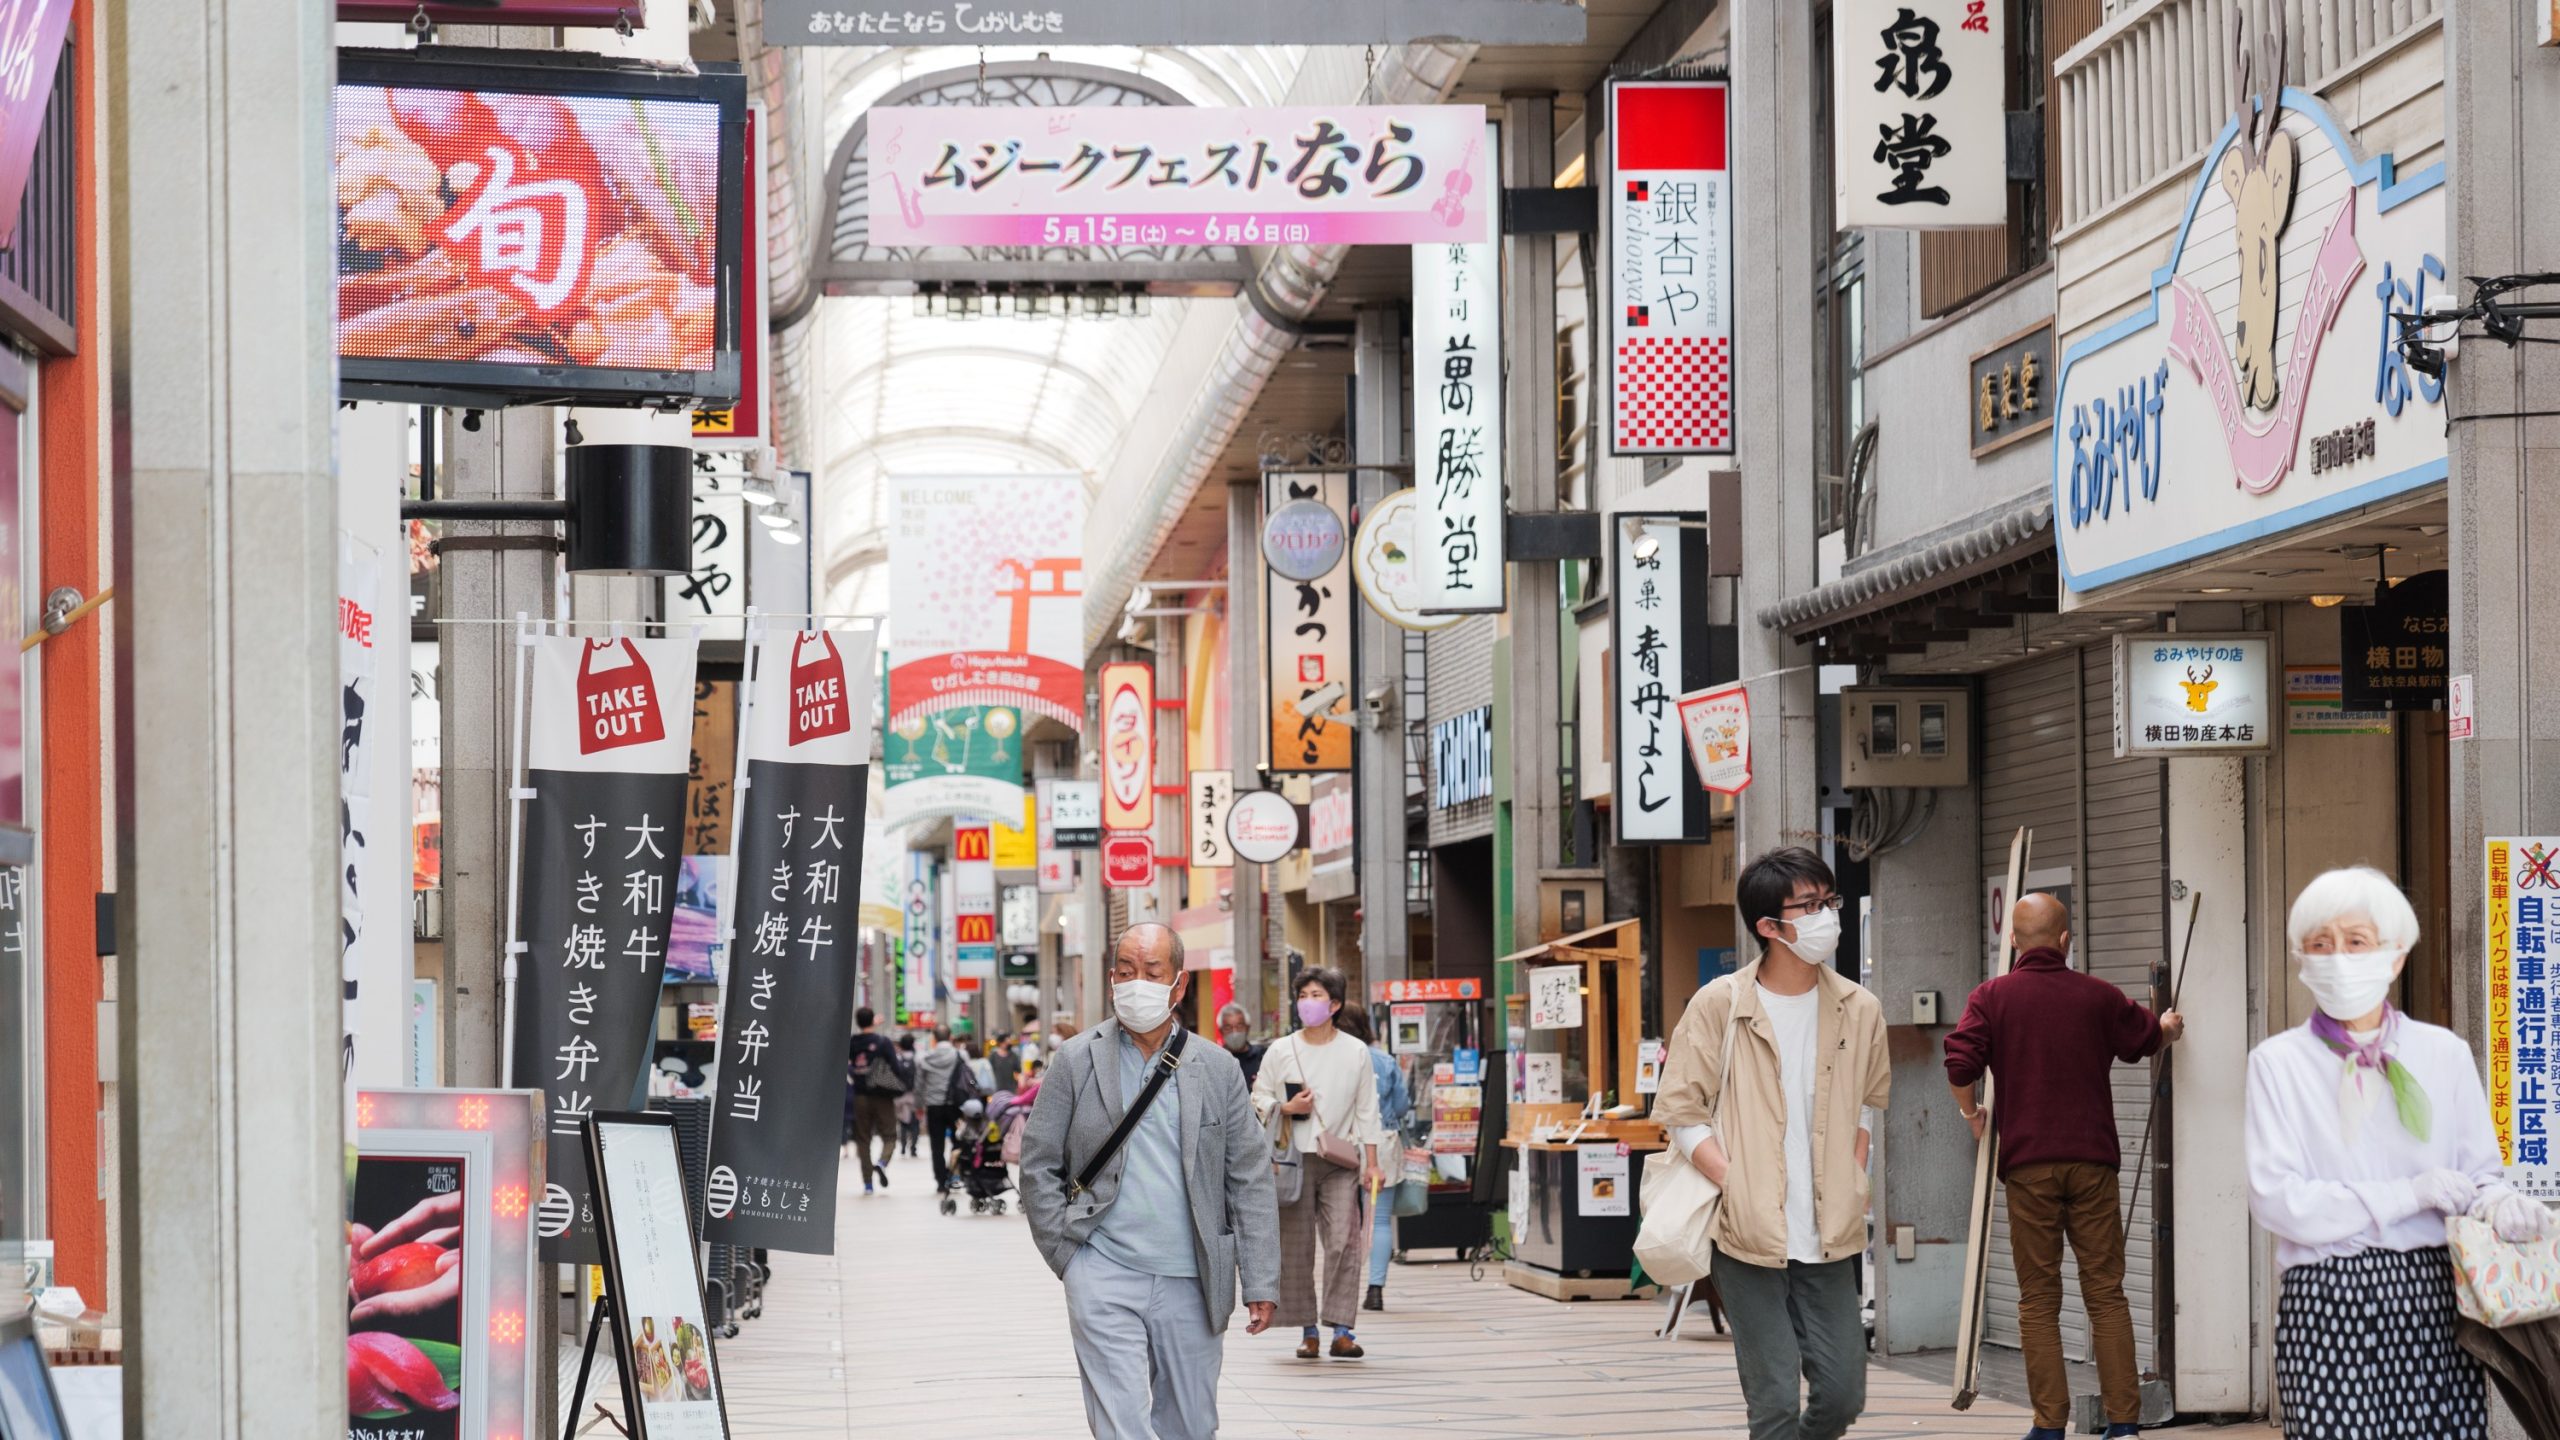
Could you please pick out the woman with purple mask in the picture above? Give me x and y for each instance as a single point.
(2366, 1130)
(1318, 1082)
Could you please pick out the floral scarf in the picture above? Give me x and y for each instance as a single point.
(2358, 1093)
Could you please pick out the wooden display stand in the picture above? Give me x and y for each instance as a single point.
(1559, 1251)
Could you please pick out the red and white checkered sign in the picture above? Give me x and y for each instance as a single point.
(1670, 269)
(1674, 395)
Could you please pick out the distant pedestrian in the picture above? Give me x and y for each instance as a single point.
(1235, 1031)
(943, 1082)
(1151, 1210)
(2365, 1130)
(1319, 1080)
(1783, 1132)
(910, 1109)
(1395, 1103)
(1004, 1062)
(877, 1081)
(2050, 1036)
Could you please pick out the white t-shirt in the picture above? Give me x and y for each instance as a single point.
(1796, 1021)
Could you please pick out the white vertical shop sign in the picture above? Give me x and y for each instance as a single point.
(1670, 269)
(713, 594)
(1213, 792)
(1922, 139)
(1660, 645)
(1457, 420)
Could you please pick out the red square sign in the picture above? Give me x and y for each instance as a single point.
(1128, 860)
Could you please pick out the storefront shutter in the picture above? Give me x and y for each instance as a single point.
(2048, 763)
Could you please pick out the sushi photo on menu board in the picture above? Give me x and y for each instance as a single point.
(654, 1279)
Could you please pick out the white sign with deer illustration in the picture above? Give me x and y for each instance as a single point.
(2261, 388)
(2181, 694)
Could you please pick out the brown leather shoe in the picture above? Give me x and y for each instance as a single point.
(1307, 1349)
(1344, 1348)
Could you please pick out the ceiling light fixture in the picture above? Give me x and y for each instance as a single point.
(2328, 602)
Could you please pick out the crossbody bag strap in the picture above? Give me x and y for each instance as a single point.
(1724, 1077)
(1158, 1071)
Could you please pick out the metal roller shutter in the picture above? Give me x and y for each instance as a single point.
(2030, 776)
(2048, 763)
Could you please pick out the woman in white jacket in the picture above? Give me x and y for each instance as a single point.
(1318, 1082)
(2366, 1131)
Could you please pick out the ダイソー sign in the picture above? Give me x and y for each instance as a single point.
(1176, 175)
(1128, 746)
(1128, 859)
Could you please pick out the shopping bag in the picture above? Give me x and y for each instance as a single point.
(1413, 1197)
(1676, 1242)
(1288, 1173)
(2500, 1283)
(616, 706)
(818, 706)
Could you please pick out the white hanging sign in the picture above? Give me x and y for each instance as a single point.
(1457, 419)
(1670, 258)
(1922, 141)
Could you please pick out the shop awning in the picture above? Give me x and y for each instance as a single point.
(1980, 572)
(1598, 937)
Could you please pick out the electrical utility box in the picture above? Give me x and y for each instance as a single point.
(1895, 736)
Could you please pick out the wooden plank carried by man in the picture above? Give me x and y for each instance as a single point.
(1986, 1165)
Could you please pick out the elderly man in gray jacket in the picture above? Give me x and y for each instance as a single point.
(1152, 1248)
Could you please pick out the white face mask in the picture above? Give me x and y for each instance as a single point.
(1142, 1005)
(2351, 983)
(1817, 937)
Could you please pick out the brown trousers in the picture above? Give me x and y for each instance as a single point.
(1325, 1236)
(2046, 1203)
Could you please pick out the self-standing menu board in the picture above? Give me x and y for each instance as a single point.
(653, 1280)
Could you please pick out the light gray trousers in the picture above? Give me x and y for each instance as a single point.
(1149, 1360)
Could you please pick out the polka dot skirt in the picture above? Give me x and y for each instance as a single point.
(2365, 1349)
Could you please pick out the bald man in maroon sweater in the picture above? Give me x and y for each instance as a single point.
(2050, 1035)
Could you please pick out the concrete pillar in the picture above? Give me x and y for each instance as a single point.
(1529, 459)
(1777, 394)
(2500, 94)
(1379, 421)
(488, 573)
(1246, 720)
(230, 1137)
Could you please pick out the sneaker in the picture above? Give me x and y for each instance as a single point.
(1344, 1347)
(866, 1189)
(883, 1172)
(1376, 1299)
(2041, 1432)
(2115, 1430)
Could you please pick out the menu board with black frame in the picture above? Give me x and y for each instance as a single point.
(653, 1275)
(512, 232)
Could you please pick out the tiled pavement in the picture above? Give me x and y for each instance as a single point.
(924, 1324)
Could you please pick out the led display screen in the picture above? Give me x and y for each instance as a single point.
(513, 232)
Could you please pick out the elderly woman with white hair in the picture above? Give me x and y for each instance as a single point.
(2366, 1130)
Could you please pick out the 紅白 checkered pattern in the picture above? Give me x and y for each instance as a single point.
(1673, 394)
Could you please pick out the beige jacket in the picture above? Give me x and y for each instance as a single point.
(1751, 1122)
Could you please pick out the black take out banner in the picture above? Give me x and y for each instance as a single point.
(795, 943)
(608, 741)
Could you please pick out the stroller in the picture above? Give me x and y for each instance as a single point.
(978, 1162)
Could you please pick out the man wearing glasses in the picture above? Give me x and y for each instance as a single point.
(1782, 1129)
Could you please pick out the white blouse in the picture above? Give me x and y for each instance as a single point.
(2322, 1197)
(1346, 1088)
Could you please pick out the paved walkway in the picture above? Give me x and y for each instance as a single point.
(950, 1326)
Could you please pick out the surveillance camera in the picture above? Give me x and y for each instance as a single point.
(1375, 702)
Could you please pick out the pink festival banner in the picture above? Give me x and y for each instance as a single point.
(1178, 175)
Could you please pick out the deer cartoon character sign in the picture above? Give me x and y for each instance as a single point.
(2186, 694)
(2194, 425)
